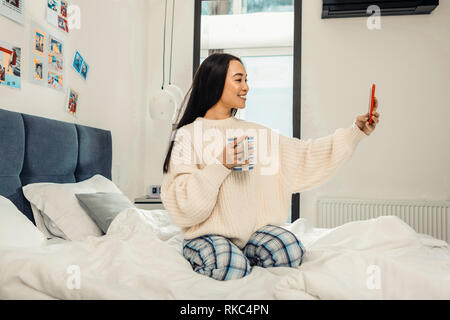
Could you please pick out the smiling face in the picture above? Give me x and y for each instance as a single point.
(235, 86)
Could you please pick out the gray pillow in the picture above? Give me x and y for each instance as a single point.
(103, 207)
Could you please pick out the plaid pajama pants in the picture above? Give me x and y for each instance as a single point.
(217, 257)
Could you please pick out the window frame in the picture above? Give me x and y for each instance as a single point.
(296, 106)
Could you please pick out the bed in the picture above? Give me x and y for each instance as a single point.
(139, 255)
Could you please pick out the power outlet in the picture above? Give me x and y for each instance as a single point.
(154, 192)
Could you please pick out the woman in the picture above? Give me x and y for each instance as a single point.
(231, 219)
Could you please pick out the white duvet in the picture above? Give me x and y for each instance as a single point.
(140, 258)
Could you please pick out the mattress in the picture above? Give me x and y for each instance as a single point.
(140, 258)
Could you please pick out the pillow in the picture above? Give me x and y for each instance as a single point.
(52, 227)
(16, 230)
(103, 207)
(58, 202)
(46, 225)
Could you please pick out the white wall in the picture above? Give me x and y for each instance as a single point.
(408, 156)
(158, 131)
(113, 39)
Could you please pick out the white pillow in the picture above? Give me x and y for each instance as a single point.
(46, 225)
(57, 201)
(16, 230)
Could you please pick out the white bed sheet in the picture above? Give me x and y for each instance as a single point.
(140, 258)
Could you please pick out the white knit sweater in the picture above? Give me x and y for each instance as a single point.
(203, 197)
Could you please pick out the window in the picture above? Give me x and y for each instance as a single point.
(266, 36)
(245, 6)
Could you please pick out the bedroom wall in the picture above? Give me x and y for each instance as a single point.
(407, 156)
(113, 40)
(158, 131)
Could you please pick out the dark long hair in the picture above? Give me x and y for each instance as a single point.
(206, 90)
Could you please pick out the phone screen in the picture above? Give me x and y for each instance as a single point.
(371, 103)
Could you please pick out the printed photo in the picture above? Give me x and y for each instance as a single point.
(57, 14)
(53, 4)
(38, 70)
(77, 61)
(39, 42)
(84, 70)
(2, 73)
(15, 3)
(64, 8)
(62, 24)
(10, 65)
(56, 46)
(13, 9)
(80, 65)
(72, 101)
(55, 63)
(14, 62)
(55, 81)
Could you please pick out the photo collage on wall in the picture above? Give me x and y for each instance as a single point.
(46, 54)
(57, 14)
(10, 65)
(47, 59)
(13, 9)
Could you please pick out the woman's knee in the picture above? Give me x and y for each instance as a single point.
(216, 257)
(273, 246)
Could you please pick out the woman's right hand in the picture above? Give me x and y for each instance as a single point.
(232, 152)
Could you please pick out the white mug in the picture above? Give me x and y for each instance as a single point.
(248, 146)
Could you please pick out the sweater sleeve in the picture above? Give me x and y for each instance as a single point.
(188, 193)
(306, 164)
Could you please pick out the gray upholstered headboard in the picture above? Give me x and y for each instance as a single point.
(35, 149)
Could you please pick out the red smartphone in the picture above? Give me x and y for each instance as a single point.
(372, 103)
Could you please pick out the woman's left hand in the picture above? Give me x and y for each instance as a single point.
(362, 121)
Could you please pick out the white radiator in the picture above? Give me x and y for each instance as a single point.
(428, 217)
